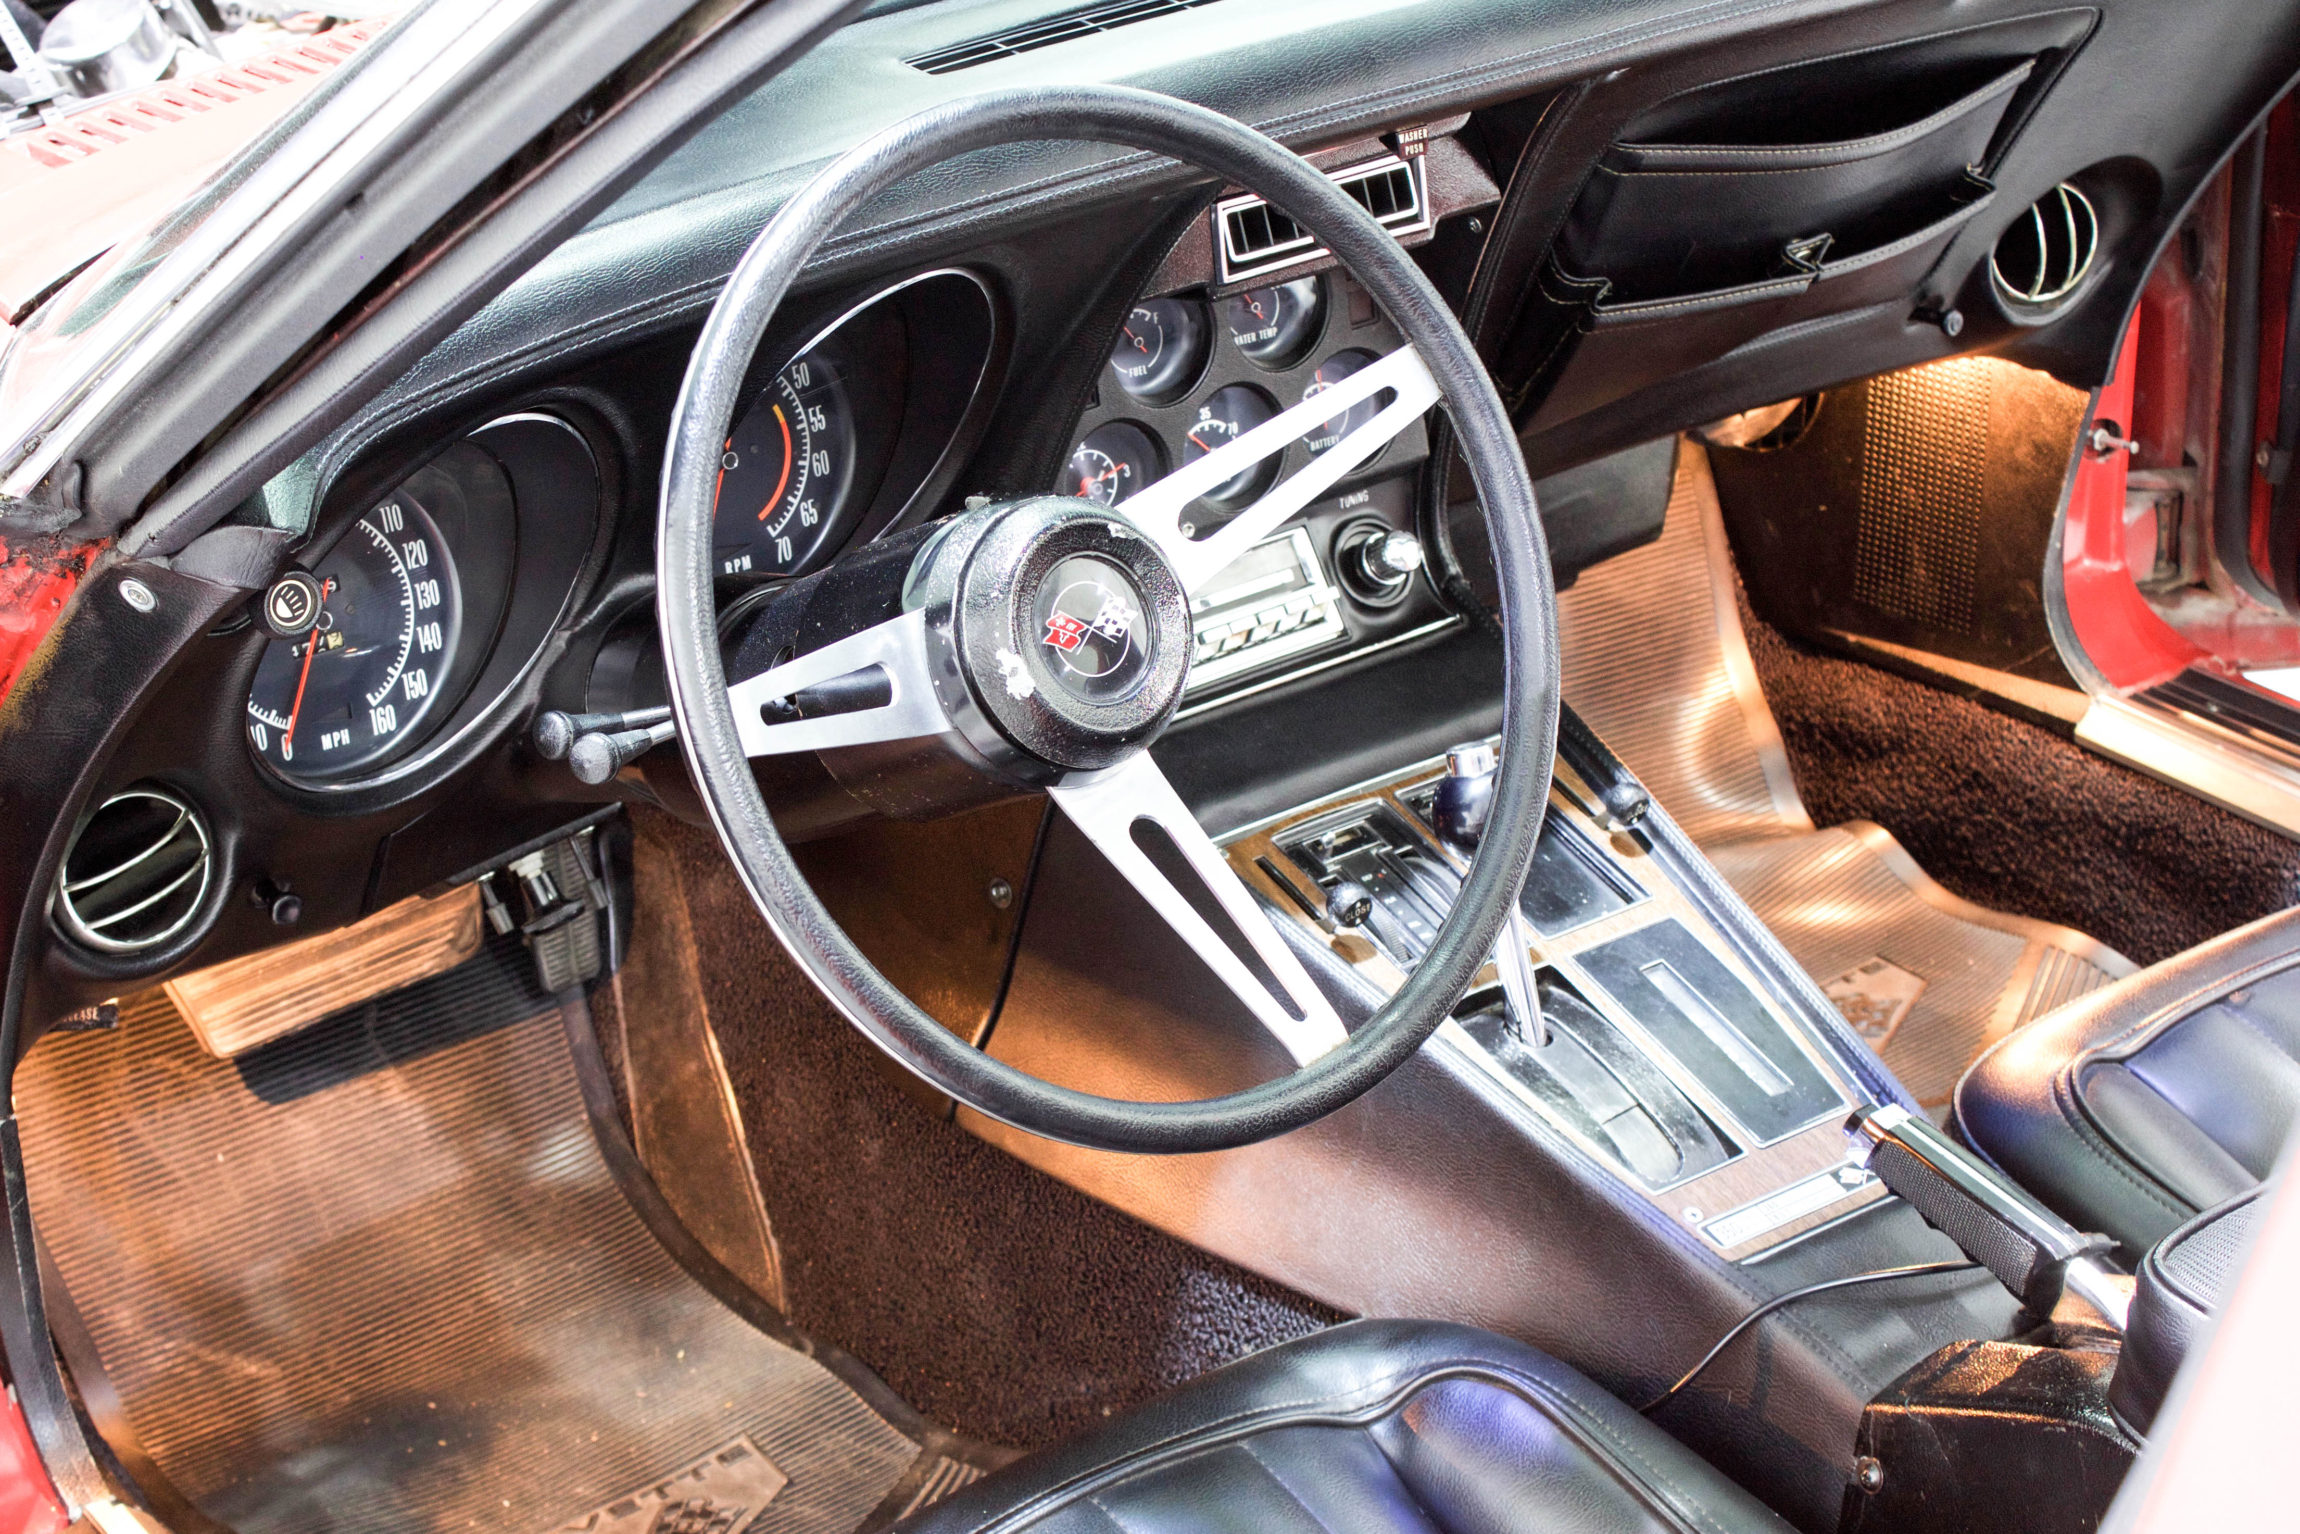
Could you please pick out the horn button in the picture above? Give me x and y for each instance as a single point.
(1075, 633)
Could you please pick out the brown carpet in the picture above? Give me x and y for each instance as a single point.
(999, 1302)
(2013, 816)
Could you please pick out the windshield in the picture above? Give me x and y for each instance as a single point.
(108, 168)
(145, 161)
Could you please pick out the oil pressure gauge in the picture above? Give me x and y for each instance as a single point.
(1225, 417)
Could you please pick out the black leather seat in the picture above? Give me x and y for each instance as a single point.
(1370, 1428)
(2162, 1095)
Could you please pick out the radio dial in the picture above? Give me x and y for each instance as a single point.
(1378, 564)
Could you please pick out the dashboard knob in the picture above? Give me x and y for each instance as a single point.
(1626, 802)
(1349, 904)
(1393, 558)
(291, 605)
(1378, 563)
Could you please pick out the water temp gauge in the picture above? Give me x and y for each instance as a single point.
(1274, 326)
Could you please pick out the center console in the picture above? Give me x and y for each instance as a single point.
(1662, 1055)
(1617, 1168)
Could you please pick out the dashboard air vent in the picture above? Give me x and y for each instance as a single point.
(136, 873)
(1067, 27)
(2048, 252)
(1257, 238)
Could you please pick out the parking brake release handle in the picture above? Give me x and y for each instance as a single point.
(2032, 1251)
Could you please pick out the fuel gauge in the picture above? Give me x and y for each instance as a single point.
(1160, 348)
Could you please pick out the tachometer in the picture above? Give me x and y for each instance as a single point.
(786, 473)
(357, 685)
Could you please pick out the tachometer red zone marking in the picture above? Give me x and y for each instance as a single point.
(780, 484)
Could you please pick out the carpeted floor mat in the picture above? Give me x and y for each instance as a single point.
(380, 1276)
(2015, 816)
(1656, 660)
(995, 1299)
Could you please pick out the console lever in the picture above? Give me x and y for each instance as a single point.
(1458, 813)
(556, 732)
(1349, 904)
(2032, 1251)
(599, 755)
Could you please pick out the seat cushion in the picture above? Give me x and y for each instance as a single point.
(1369, 1428)
(2162, 1095)
(2181, 1285)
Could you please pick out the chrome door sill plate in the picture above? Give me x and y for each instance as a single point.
(2208, 760)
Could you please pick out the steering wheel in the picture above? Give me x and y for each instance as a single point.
(1045, 643)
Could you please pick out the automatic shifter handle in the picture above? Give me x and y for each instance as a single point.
(1464, 799)
(1459, 812)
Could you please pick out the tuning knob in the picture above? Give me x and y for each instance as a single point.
(1379, 563)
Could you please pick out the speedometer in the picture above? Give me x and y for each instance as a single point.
(358, 683)
(784, 478)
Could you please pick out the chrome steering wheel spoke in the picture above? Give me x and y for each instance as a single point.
(1156, 510)
(877, 685)
(1134, 816)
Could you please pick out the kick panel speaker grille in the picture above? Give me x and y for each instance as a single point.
(2048, 252)
(136, 874)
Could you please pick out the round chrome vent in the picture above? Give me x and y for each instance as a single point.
(2047, 253)
(136, 873)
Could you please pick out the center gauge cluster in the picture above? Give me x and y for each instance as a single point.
(1189, 374)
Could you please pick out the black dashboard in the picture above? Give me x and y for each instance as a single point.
(478, 543)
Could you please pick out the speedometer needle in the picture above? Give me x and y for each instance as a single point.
(310, 648)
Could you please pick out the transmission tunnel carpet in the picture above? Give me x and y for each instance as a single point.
(1656, 661)
(380, 1276)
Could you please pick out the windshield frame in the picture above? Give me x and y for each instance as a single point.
(270, 194)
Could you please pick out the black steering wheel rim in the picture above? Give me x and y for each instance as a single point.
(686, 606)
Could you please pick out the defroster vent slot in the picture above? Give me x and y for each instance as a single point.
(1045, 33)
